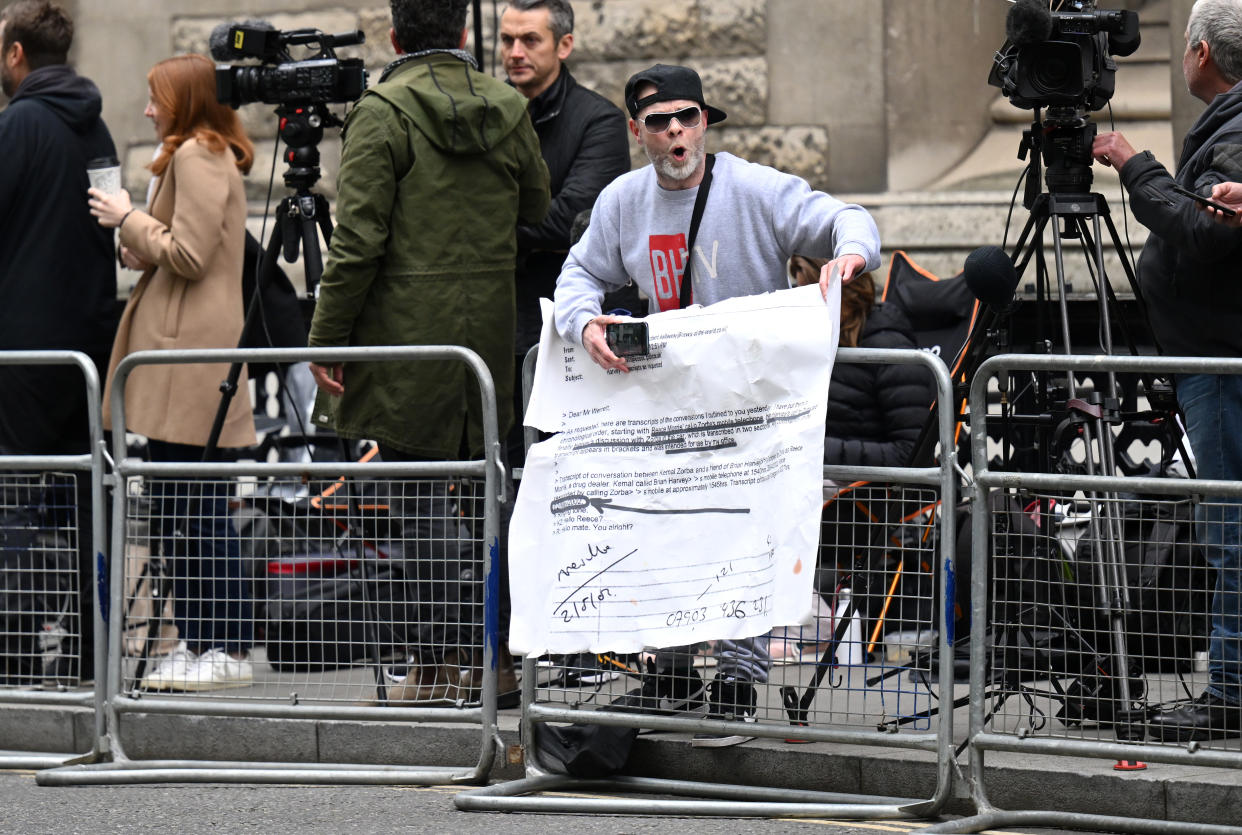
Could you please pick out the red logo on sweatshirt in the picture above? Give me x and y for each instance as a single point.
(668, 262)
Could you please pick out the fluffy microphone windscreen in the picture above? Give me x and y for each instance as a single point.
(990, 275)
(218, 42)
(1028, 22)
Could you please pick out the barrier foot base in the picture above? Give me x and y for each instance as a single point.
(1074, 820)
(703, 799)
(35, 760)
(132, 772)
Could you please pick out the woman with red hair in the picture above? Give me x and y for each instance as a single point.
(189, 245)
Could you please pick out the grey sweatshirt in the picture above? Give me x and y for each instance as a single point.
(755, 218)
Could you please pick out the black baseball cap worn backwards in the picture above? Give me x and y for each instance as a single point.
(672, 83)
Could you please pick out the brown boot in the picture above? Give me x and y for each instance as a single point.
(508, 691)
(427, 685)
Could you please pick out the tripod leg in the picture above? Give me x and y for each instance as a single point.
(312, 256)
(159, 582)
(1113, 595)
(228, 388)
(798, 709)
(314, 214)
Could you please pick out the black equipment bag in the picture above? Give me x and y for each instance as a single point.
(1170, 586)
(590, 751)
(586, 751)
(321, 623)
(1047, 617)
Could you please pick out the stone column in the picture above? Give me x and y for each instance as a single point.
(937, 56)
(826, 67)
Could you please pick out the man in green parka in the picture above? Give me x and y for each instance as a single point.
(439, 164)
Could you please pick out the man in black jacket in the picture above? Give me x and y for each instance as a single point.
(583, 140)
(57, 265)
(1188, 274)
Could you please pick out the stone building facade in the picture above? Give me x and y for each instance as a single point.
(881, 101)
(854, 95)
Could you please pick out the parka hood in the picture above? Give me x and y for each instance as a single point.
(450, 110)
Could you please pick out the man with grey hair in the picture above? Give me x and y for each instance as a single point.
(1188, 274)
(583, 141)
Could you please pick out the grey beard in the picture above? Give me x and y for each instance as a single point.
(666, 167)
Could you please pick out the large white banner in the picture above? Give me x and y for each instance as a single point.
(680, 502)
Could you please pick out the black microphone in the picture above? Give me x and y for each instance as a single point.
(1028, 22)
(991, 277)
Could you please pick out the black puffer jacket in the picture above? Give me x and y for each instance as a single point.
(584, 141)
(875, 412)
(1188, 272)
(57, 264)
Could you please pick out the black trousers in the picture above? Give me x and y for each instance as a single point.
(441, 557)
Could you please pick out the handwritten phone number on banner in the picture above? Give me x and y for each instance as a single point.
(735, 609)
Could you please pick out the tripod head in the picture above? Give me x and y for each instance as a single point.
(1062, 143)
(301, 129)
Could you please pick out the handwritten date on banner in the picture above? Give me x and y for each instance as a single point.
(608, 591)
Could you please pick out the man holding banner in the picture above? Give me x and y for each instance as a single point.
(659, 227)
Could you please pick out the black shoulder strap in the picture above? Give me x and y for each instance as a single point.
(697, 215)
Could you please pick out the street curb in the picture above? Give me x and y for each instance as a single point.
(1014, 782)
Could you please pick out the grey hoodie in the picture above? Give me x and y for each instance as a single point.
(756, 217)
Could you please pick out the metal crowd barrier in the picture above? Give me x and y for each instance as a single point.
(344, 560)
(832, 681)
(41, 532)
(1096, 595)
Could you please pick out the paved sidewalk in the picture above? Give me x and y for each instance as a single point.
(1014, 781)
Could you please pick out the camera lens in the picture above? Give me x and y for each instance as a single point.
(1051, 76)
(1054, 71)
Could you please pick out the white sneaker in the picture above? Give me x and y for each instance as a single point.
(170, 670)
(396, 673)
(217, 670)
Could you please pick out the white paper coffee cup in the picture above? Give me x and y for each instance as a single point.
(104, 174)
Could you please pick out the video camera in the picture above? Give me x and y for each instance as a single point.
(279, 79)
(1062, 58)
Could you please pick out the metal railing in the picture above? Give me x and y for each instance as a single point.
(1095, 592)
(343, 555)
(1061, 602)
(41, 498)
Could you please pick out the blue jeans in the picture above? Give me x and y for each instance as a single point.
(1212, 405)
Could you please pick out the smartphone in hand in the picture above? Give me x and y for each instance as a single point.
(627, 339)
(1203, 201)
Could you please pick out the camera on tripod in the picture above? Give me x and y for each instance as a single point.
(279, 79)
(1062, 58)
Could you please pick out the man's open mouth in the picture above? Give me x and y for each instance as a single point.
(679, 153)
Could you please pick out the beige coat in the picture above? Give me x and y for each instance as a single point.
(194, 233)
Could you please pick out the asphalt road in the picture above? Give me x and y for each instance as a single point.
(356, 810)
